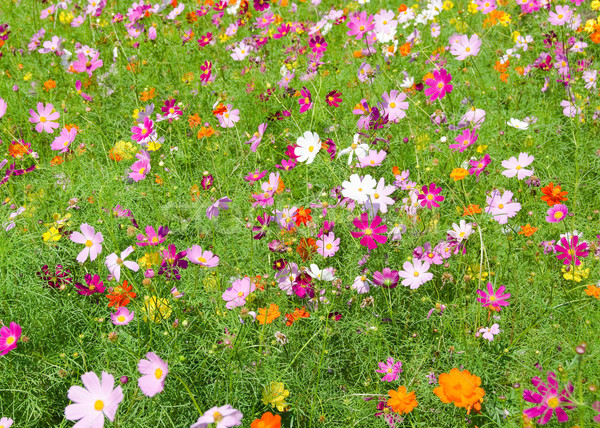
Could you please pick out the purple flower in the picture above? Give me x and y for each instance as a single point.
(94, 285)
(172, 260)
(391, 369)
(213, 210)
(550, 401)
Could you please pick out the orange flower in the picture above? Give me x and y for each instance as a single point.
(18, 150)
(195, 192)
(306, 248)
(268, 420)
(462, 388)
(405, 49)
(220, 109)
(553, 194)
(471, 209)
(56, 160)
(459, 174)
(592, 291)
(206, 132)
(296, 315)
(303, 216)
(191, 17)
(501, 67)
(194, 121)
(148, 95)
(402, 8)
(49, 84)
(121, 295)
(528, 230)
(267, 316)
(401, 401)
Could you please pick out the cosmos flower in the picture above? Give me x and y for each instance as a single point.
(44, 118)
(154, 371)
(439, 85)
(9, 336)
(97, 400)
(391, 369)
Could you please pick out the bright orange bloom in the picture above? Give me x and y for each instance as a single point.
(402, 8)
(220, 109)
(553, 194)
(303, 216)
(528, 230)
(206, 132)
(462, 388)
(195, 193)
(49, 84)
(148, 95)
(306, 248)
(268, 420)
(56, 160)
(191, 17)
(501, 67)
(121, 295)
(459, 174)
(194, 121)
(401, 401)
(17, 150)
(396, 170)
(595, 37)
(471, 209)
(267, 316)
(296, 315)
(592, 291)
(405, 49)
(280, 187)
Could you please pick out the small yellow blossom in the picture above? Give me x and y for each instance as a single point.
(472, 8)
(575, 273)
(481, 148)
(51, 235)
(275, 395)
(447, 5)
(156, 309)
(459, 174)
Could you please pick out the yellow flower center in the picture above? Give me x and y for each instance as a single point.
(121, 318)
(368, 232)
(393, 105)
(468, 49)
(500, 206)
(99, 405)
(362, 28)
(201, 259)
(440, 85)
(430, 197)
(158, 373)
(329, 246)
(217, 417)
(88, 243)
(42, 119)
(558, 215)
(376, 195)
(416, 274)
(240, 294)
(10, 340)
(492, 298)
(311, 149)
(552, 402)
(142, 170)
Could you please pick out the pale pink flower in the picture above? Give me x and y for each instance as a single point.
(464, 46)
(516, 166)
(113, 263)
(44, 118)
(154, 371)
(91, 239)
(328, 245)
(122, 317)
(64, 140)
(415, 274)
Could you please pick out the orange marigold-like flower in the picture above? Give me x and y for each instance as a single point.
(194, 121)
(296, 315)
(528, 230)
(553, 194)
(405, 49)
(267, 316)
(471, 209)
(592, 291)
(49, 84)
(461, 388)
(206, 132)
(402, 401)
(303, 216)
(148, 95)
(459, 174)
(121, 295)
(268, 420)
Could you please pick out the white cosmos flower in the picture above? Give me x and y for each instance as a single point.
(360, 149)
(359, 189)
(321, 274)
(309, 145)
(518, 124)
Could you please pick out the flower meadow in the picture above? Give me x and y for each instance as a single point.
(299, 213)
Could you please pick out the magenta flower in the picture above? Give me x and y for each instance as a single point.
(371, 233)
(439, 86)
(172, 262)
(141, 133)
(94, 285)
(305, 100)
(91, 239)
(122, 317)
(333, 98)
(493, 299)
(92, 403)
(237, 293)
(196, 255)
(359, 24)
(501, 207)
(317, 44)
(257, 137)
(328, 245)
(550, 401)
(516, 166)
(3, 106)
(387, 278)
(430, 196)
(153, 237)
(87, 65)
(64, 140)
(478, 166)
(415, 274)
(9, 337)
(154, 371)
(556, 213)
(220, 204)
(141, 167)
(44, 118)
(569, 251)
(464, 140)
(391, 369)
(224, 417)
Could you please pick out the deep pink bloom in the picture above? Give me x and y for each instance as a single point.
(550, 401)
(237, 293)
(87, 65)
(478, 166)
(154, 371)
(305, 100)
(359, 24)
(556, 213)
(257, 137)
(317, 44)
(153, 237)
(493, 299)
(141, 167)
(141, 133)
(464, 140)
(430, 196)
(44, 118)
(570, 251)
(391, 369)
(9, 337)
(94, 285)
(439, 86)
(334, 98)
(387, 278)
(371, 233)
(282, 31)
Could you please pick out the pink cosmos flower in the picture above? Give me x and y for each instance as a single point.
(328, 245)
(87, 65)
(153, 237)
(415, 274)
(493, 299)
(478, 166)
(516, 166)
(391, 369)
(9, 337)
(359, 24)
(488, 333)
(113, 263)
(78, 87)
(317, 44)
(220, 204)
(439, 86)
(52, 45)
(141, 167)
(122, 317)
(464, 46)
(374, 158)
(370, 233)
(548, 399)
(64, 140)
(569, 109)
(429, 254)
(141, 133)
(6, 422)
(196, 255)
(44, 118)
(556, 213)
(464, 140)
(562, 15)
(91, 239)
(3, 106)
(93, 285)
(395, 105)
(257, 137)
(237, 293)
(48, 11)
(501, 207)
(305, 100)
(154, 371)
(229, 118)
(570, 250)
(224, 417)
(92, 403)
(430, 196)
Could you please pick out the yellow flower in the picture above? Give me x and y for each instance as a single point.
(210, 284)
(136, 113)
(575, 273)
(447, 5)
(65, 18)
(275, 395)
(51, 235)
(514, 35)
(481, 148)
(472, 8)
(595, 5)
(156, 309)
(149, 260)
(154, 146)
(27, 76)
